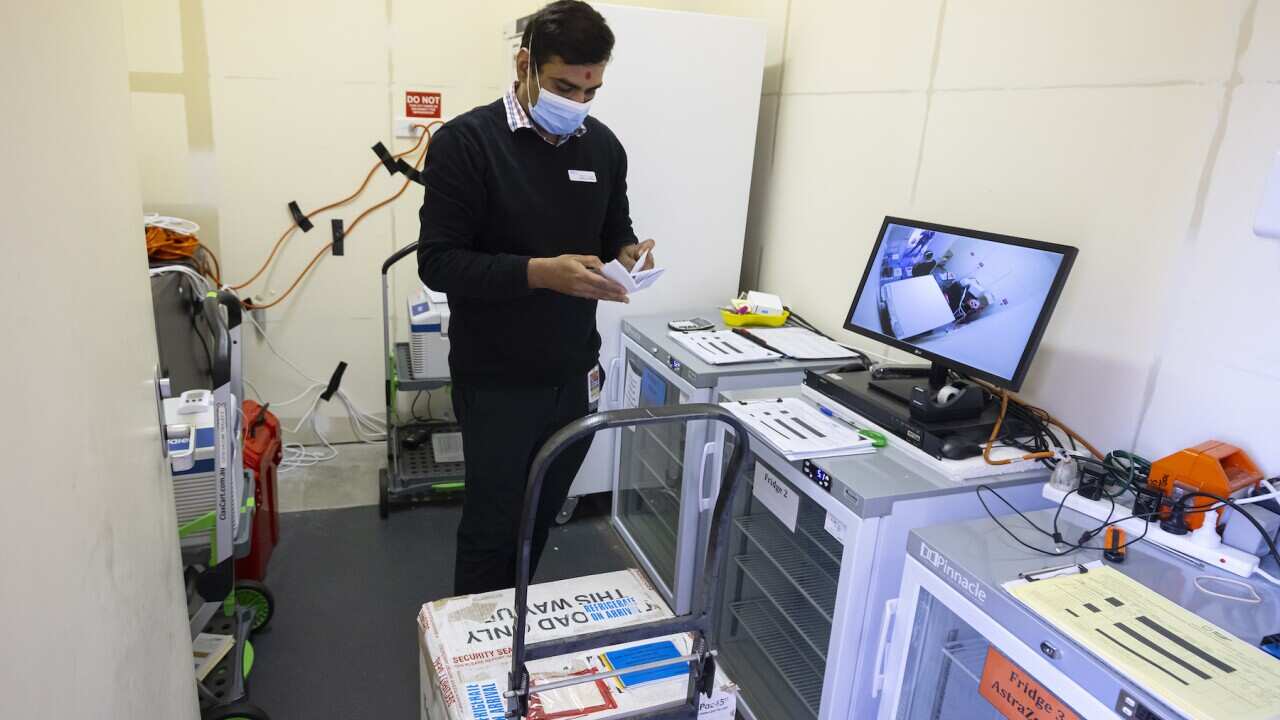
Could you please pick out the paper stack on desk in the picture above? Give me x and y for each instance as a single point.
(722, 347)
(798, 343)
(797, 430)
(633, 280)
(1189, 663)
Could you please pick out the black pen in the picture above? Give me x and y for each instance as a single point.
(747, 334)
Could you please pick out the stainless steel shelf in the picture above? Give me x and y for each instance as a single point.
(650, 528)
(662, 480)
(969, 656)
(812, 525)
(648, 432)
(662, 506)
(805, 574)
(799, 667)
(404, 373)
(799, 612)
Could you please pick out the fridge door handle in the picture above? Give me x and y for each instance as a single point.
(708, 452)
(616, 396)
(882, 646)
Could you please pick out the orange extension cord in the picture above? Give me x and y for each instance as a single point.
(169, 246)
(1005, 398)
(424, 142)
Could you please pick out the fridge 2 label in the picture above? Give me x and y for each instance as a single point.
(1016, 694)
(774, 494)
(835, 527)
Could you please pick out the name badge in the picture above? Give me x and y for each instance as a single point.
(594, 383)
(582, 175)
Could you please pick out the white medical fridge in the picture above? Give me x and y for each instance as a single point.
(812, 570)
(958, 632)
(690, 138)
(661, 468)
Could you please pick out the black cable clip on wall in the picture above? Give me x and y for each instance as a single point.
(299, 218)
(335, 381)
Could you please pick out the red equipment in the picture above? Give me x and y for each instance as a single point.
(262, 452)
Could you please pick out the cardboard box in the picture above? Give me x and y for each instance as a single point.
(465, 652)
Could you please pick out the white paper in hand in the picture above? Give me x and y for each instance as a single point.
(636, 280)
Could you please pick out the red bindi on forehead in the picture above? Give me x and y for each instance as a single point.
(588, 74)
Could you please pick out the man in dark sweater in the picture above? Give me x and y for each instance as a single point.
(526, 200)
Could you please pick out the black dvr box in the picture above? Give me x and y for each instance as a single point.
(889, 411)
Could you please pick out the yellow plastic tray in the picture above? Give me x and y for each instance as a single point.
(753, 320)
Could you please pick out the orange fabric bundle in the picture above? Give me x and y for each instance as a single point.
(166, 245)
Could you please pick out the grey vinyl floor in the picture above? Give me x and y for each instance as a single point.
(348, 586)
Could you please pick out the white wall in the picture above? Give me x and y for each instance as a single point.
(93, 621)
(1133, 129)
(1136, 130)
(1219, 373)
(240, 107)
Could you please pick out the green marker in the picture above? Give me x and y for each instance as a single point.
(877, 438)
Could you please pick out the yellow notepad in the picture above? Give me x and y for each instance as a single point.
(1192, 665)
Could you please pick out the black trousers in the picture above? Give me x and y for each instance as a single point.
(502, 429)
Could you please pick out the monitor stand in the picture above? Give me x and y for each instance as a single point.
(901, 379)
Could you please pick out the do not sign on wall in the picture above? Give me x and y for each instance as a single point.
(422, 104)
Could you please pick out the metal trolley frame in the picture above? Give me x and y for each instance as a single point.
(701, 619)
(215, 601)
(412, 474)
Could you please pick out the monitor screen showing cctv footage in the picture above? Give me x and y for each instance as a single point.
(971, 300)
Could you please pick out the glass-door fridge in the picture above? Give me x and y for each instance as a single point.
(779, 596)
(962, 646)
(651, 469)
(660, 469)
(812, 570)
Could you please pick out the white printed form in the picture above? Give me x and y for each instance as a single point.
(1188, 662)
(633, 280)
(631, 389)
(722, 347)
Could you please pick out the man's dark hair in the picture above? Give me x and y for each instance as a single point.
(571, 29)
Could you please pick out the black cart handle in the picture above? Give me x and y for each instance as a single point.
(398, 255)
(211, 305)
(700, 620)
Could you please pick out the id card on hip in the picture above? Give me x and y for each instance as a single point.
(595, 381)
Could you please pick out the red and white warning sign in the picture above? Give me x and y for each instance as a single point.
(422, 104)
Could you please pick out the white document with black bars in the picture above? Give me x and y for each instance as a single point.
(797, 430)
(723, 347)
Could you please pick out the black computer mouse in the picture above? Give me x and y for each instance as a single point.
(415, 439)
(958, 447)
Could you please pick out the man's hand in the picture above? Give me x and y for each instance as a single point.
(630, 253)
(576, 275)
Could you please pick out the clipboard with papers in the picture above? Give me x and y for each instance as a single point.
(797, 430)
(799, 343)
(1192, 665)
(723, 347)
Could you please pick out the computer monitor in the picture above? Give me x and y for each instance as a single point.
(966, 300)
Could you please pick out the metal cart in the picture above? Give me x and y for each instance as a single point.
(413, 474)
(212, 540)
(700, 621)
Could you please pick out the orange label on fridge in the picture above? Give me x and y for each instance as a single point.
(1017, 695)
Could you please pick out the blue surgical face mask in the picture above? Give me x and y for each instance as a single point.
(556, 114)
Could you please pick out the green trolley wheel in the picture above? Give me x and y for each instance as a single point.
(258, 598)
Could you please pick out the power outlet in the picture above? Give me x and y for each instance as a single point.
(1220, 556)
(404, 127)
